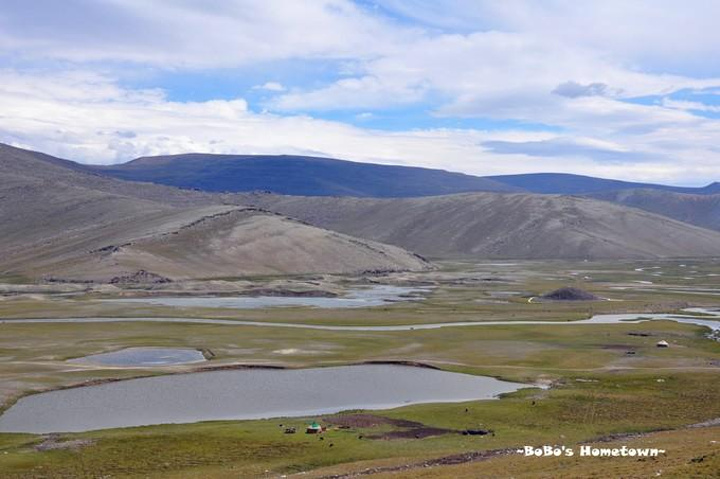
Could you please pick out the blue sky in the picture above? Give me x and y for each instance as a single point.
(618, 89)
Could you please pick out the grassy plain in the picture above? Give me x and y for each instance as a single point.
(598, 388)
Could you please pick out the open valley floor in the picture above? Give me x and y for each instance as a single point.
(569, 383)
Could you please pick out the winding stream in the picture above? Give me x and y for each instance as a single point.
(711, 320)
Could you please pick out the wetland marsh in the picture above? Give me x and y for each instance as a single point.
(604, 375)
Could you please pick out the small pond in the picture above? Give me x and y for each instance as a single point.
(143, 357)
(243, 394)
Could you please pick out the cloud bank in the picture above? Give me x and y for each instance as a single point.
(612, 88)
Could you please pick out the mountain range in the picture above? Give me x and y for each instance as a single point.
(66, 221)
(58, 221)
(310, 176)
(296, 175)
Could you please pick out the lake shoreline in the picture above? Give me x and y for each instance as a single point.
(246, 393)
(189, 369)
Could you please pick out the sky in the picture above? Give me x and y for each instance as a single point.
(610, 88)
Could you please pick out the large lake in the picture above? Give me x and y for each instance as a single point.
(243, 394)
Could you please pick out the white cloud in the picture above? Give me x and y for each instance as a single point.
(570, 65)
(351, 93)
(87, 117)
(192, 33)
(655, 35)
(270, 86)
(689, 105)
(482, 68)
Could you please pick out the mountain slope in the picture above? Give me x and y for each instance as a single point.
(213, 242)
(490, 225)
(296, 175)
(263, 243)
(58, 221)
(699, 210)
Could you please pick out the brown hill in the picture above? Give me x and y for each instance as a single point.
(56, 220)
(569, 294)
(493, 225)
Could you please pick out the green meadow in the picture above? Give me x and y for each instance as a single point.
(606, 381)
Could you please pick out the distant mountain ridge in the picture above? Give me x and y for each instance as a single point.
(312, 176)
(297, 175)
(569, 184)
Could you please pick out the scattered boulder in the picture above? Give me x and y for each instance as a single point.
(140, 277)
(662, 344)
(570, 294)
(54, 442)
